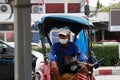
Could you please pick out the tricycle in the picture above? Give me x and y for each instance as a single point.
(75, 25)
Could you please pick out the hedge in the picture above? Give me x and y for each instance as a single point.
(37, 48)
(109, 52)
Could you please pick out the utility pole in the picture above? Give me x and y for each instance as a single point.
(22, 36)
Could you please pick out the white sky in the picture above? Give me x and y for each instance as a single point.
(93, 2)
(104, 2)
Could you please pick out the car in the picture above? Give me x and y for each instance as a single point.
(7, 60)
(107, 42)
(13, 44)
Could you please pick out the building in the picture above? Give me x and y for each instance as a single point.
(39, 8)
(49, 7)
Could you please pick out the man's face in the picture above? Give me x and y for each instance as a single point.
(63, 39)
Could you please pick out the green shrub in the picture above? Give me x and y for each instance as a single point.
(39, 49)
(109, 52)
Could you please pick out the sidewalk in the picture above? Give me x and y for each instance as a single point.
(109, 70)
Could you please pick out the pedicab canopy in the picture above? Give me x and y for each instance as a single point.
(75, 24)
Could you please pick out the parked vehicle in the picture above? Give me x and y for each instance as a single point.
(7, 60)
(107, 42)
(75, 25)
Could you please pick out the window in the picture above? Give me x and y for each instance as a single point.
(10, 36)
(1, 35)
(7, 36)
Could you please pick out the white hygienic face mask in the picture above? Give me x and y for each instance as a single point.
(63, 41)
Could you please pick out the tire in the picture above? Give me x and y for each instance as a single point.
(37, 77)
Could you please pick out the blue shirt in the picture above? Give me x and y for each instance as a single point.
(82, 57)
(55, 54)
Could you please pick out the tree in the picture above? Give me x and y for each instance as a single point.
(106, 9)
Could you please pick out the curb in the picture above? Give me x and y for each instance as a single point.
(107, 71)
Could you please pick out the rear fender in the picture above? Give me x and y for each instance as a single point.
(45, 75)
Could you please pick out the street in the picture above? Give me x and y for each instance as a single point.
(108, 77)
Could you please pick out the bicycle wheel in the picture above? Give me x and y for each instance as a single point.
(36, 77)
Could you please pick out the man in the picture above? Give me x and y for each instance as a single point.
(62, 54)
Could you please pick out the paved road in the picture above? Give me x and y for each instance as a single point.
(108, 77)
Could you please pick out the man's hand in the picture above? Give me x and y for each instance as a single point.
(90, 65)
(54, 66)
(55, 71)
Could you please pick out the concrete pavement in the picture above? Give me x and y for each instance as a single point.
(108, 70)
